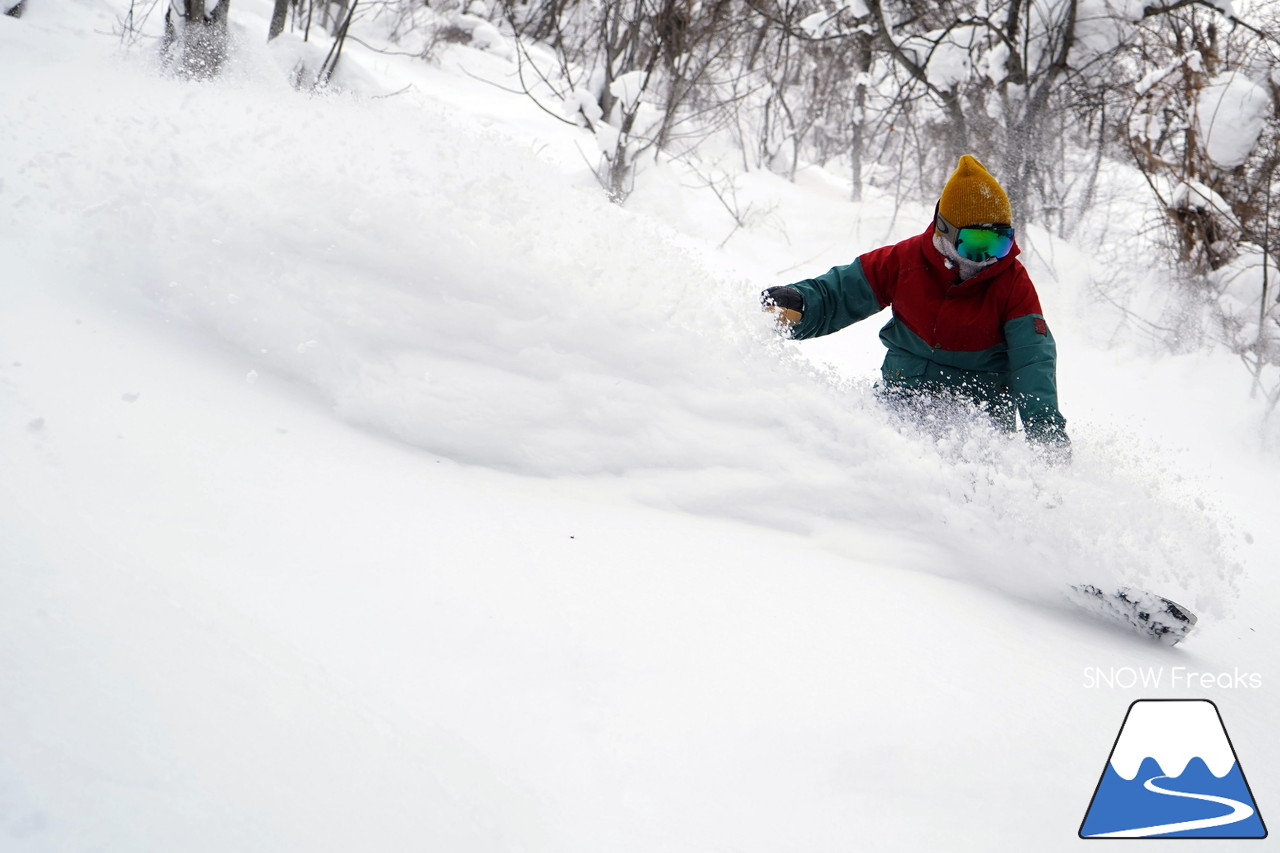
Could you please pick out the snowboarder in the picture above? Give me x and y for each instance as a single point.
(966, 321)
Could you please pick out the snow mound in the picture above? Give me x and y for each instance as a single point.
(1231, 115)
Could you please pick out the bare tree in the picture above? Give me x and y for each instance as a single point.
(639, 73)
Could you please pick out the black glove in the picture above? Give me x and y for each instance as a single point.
(787, 298)
(785, 304)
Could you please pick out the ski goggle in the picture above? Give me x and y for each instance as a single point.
(978, 242)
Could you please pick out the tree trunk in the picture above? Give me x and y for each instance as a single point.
(279, 14)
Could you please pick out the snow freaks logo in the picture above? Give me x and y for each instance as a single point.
(1178, 677)
(1172, 773)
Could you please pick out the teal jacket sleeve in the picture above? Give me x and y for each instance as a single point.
(837, 298)
(1033, 360)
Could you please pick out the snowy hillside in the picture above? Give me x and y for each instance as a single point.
(370, 482)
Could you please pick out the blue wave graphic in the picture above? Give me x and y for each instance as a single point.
(1154, 801)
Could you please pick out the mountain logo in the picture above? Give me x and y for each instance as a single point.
(1173, 773)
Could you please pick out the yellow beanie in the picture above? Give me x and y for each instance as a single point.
(973, 197)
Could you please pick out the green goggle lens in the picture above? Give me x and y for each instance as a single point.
(980, 244)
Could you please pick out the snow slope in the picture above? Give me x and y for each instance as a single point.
(371, 482)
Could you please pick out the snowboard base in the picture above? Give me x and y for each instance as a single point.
(1151, 615)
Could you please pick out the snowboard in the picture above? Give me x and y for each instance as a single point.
(1151, 615)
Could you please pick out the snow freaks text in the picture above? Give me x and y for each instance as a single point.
(1171, 677)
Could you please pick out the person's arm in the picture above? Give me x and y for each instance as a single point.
(1033, 361)
(819, 306)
